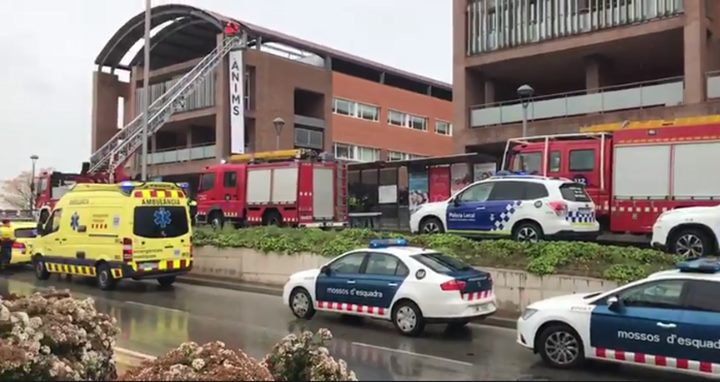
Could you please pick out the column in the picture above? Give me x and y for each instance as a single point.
(107, 89)
(489, 86)
(596, 73)
(695, 52)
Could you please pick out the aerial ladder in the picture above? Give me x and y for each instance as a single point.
(111, 157)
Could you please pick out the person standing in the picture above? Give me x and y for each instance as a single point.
(7, 238)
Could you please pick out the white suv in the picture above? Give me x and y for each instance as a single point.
(525, 207)
(689, 232)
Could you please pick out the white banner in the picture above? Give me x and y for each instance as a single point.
(237, 102)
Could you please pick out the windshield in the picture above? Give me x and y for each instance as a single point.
(441, 263)
(207, 181)
(528, 163)
(160, 222)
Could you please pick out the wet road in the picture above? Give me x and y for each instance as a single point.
(154, 321)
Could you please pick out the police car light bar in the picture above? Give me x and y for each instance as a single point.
(699, 265)
(384, 243)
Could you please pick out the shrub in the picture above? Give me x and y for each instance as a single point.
(305, 358)
(209, 362)
(615, 263)
(52, 336)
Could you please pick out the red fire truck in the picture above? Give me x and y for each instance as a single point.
(286, 187)
(632, 175)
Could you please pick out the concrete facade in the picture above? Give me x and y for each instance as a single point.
(632, 46)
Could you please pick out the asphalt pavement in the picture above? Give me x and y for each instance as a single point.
(154, 320)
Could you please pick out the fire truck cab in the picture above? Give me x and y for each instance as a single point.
(284, 188)
(51, 186)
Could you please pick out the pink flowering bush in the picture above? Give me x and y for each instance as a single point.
(305, 358)
(52, 336)
(209, 362)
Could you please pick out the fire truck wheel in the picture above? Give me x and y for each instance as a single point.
(527, 232)
(272, 218)
(690, 242)
(40, 271)
(217, 221)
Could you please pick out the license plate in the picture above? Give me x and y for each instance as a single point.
(584, 209)
(483, 307)
(176, 253)
(147, 266)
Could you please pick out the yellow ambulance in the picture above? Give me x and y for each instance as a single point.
(110, 232)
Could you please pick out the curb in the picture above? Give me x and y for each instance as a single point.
(497, 321)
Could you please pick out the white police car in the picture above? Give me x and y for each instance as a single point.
(525, 207)
(670, 320)
(688, 232)
(389, 280)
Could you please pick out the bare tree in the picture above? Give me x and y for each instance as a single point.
(16, 192)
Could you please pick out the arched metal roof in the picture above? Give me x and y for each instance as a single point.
(193, 32)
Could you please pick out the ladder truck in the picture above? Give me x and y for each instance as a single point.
(296, 188)
(106, 165)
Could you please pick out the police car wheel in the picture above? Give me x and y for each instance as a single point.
(104, 277)
(301, 304)
(690, 243)
(431, 225)
(40, 271)
(561, 347)
(408, 319)
(528, 233)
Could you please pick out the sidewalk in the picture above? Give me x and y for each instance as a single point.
(503, 319)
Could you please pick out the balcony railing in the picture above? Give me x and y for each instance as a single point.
(713, 84)
(202, 97)
(665, 92)
(500, 24)
(182, 155)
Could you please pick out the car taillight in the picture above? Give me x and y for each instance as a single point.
(19, 246)
(127, 249)
(453, 285)
(560, 208)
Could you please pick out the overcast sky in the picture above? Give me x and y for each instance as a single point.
(48, 48)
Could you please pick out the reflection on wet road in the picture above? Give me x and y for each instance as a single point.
(155, 320)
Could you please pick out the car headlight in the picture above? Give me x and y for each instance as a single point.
(528, 313)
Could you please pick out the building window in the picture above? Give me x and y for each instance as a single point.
(368, 112)
(397, 118)
(308, 138)
(443, 128)
(343, 107)
(418, 123)
(397, 156)
(356, 109)
(356, 153)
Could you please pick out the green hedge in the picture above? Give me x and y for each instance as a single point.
(615, 263)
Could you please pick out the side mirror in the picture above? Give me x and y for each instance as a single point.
(39, 229)
(326, 270)
(82, 228)
(614, 304)
(456, 202)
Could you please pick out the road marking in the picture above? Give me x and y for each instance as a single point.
(413, 354)
(131, 353)
(154, 306)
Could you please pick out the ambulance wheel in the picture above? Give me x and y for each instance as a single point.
(560, 347)
(104, 277)
(690, 242)
(40, 271)
(166, 281)
(408, 319)
(301, 304)
(431, 225)
(527, 232)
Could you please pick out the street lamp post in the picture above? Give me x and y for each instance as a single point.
(34, 159)
(146, 90)
(525, 93)
(278, 123)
